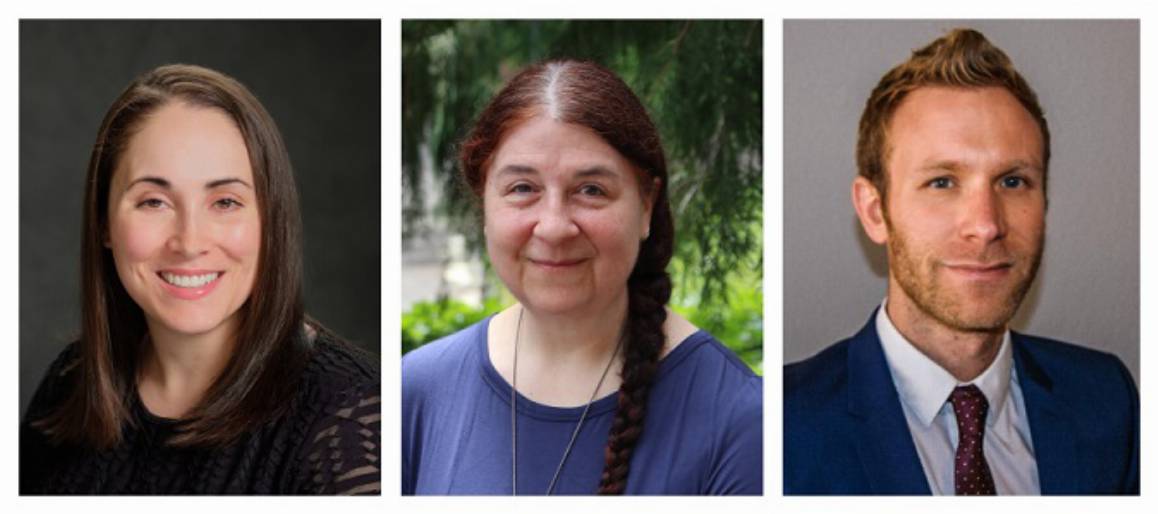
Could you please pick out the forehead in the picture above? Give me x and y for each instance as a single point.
(977, 127)
(185, 143)
(552, 147)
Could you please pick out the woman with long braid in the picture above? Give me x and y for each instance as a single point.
(589, 384)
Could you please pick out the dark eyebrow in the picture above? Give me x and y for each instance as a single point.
(158, 181)
(516, 169)
(594, 171)
(165, 184)
(226, 181)
(597, 171)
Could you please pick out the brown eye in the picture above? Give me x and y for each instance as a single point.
(592, 190)
(227, 204)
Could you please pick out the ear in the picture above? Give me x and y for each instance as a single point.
(866, 199)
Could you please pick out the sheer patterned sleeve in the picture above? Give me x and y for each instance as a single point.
(343, 449)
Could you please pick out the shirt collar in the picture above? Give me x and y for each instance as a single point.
(924, 386)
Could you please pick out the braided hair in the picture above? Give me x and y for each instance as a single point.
(587, 94)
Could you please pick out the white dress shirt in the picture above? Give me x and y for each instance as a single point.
(924, 388)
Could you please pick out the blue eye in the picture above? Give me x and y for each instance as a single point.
(1013, 182)
(522, 188)
(941, 183)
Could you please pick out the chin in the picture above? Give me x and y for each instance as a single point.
(548, 303)
(982, 318)
(189, 324)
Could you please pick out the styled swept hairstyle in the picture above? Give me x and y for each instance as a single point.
(587, 94)
(962, 58)
(269, 354)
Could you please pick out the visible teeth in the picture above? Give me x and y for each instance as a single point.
(189, 280)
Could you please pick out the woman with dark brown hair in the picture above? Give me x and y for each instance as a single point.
(589, 384)
(197, 371)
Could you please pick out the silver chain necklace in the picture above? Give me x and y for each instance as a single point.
(514, 421)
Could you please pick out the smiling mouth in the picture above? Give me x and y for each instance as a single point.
(557, 264)
(981, 271)
(193, 281)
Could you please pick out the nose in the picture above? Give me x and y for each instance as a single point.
(555, 222)
(983, 217)
(187, 238)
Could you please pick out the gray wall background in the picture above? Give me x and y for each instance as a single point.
(1086, 77)
(321, 82)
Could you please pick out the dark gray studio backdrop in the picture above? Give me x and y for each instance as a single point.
(1086, 77)
(320, 81)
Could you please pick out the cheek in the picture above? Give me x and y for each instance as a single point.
(614, 237)
(1029, 217)
(242, 239)
(135, 240)
(922, 224)
(507, 231)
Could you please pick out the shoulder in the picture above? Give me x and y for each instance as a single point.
(1091, 397)
(336, 366)
(703, 357)
(1055, 352)
(341, 390)
(1074, 370)
(717, 402)
(431, 363)
(54, 385)
(822, 377)
(703, 374)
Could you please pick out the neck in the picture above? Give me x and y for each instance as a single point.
(560, 356)
(965, 354)
(589, 336)
(178, 369)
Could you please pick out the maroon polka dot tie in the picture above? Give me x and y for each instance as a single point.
(971, 475)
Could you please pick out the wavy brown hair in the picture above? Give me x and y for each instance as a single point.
(269, 354)
(587, 94)
(961, 58)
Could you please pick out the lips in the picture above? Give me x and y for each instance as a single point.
(556, 263)
(980, 271)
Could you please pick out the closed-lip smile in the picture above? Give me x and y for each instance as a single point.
(555, 263)
(980, 270)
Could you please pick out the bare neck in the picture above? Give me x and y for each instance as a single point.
(561, 357)
(964, 354)
(178, 369)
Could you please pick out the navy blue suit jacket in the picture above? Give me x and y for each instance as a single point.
(845, 432)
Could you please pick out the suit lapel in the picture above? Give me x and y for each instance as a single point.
(1052, 431)
(883, 441)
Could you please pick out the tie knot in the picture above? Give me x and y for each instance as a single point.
(969, 405)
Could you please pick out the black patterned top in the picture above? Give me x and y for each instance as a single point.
(327, 442)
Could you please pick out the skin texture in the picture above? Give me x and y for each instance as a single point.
(564, 214)
(964, 220)
(182, 201)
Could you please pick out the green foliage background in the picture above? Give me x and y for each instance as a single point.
(700, 80)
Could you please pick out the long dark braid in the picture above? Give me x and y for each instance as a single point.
(648, 292)
(587, 94)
